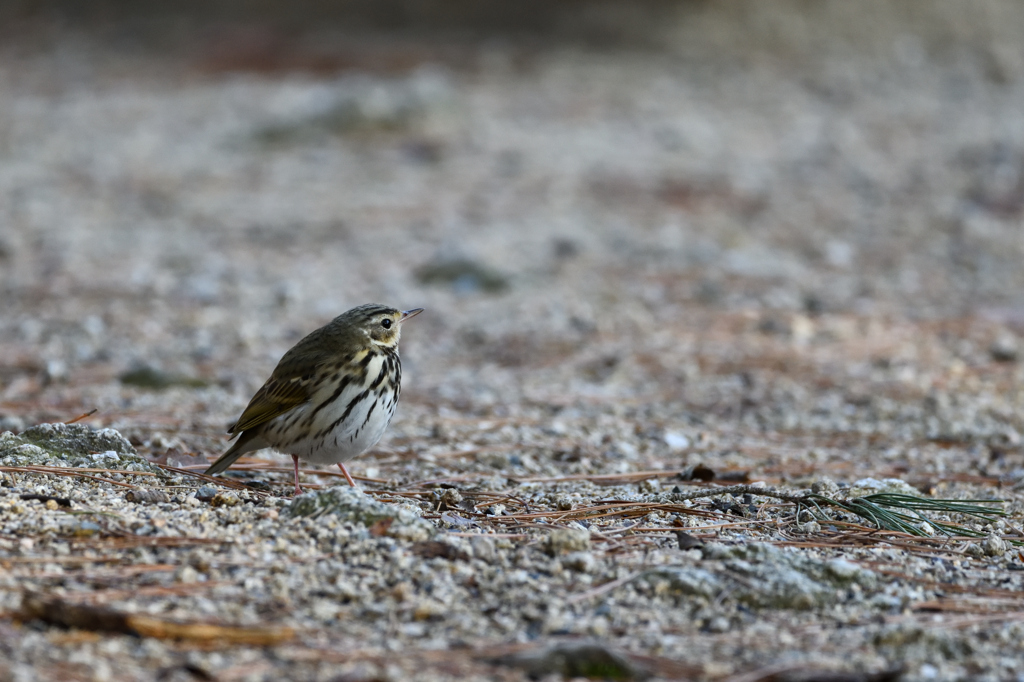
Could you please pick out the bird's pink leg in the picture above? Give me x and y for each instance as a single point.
(295, 461)
(347, 476)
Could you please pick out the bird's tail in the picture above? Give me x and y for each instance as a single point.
(247, 442)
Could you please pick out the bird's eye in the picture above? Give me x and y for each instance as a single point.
(386, 323)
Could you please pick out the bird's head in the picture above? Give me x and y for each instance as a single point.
(382, 324)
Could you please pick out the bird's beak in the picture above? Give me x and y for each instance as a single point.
(406, 314)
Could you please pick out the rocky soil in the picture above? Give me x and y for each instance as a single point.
(780, 255)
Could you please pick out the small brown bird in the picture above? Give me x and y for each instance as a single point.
(331, 396)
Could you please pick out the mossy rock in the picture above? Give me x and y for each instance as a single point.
(357, 507)
(464, 275)
(71, 445)
(763, 576)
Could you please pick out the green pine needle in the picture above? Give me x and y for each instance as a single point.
(887, 511)
(881, 510)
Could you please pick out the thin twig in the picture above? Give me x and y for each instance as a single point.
(83, 416)
(225, 482)
(607, 587)
(636, 475)
(64, 472)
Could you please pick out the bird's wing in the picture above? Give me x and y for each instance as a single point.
(289, 386)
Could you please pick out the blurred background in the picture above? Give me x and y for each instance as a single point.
(590, 199)
(657, 242)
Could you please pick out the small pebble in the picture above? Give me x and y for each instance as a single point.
(1004, 348)
(483, 548)
(225, 500)
(676, 440)
(206, 492)
(563, 540)
(186, 574)
(994, 545)
(825, 486)
(86, 529)
(146, 496)
(718, 624)
(581, 562)
(451, 498)
(650, 485)
(809, 528)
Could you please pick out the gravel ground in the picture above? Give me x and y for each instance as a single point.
(642, 267)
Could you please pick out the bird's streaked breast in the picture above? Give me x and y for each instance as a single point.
(347, 413)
